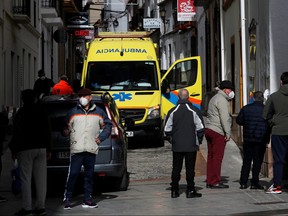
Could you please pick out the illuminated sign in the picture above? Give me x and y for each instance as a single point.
(83, 33)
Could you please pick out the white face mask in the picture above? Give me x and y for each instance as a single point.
(83, 101)
(42, 77)
(231, 95)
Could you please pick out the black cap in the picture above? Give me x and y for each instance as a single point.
(84, 92)
(226, 84)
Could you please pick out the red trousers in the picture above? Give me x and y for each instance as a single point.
(216, 146)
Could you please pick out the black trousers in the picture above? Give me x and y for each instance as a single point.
(252, 152)
(190, 160)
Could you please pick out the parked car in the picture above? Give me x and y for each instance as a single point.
(111, 160)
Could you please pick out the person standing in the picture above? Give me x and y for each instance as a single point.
(88, 126)
(31, 144)
(3, 128)
(255, 137)
(276, 114)
(218, 132)
(43, 85)
(187, 131)
(62, 87)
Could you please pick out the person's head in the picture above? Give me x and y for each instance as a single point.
(64, 77)
(28, 96)
(284, 78)
(85, 95)
(183, 94)
(227, 87)
(41, 74)
(258, 96)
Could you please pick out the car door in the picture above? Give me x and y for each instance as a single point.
(184, 73)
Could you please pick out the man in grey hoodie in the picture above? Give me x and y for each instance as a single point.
(218, 132)
(276, 113)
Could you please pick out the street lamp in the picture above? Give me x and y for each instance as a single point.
(163, 15)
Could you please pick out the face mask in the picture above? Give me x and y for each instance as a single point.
(42, 77)
(83, 101)
(231, 95)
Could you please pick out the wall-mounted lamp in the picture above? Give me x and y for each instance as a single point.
(115, 22)
(163, 15)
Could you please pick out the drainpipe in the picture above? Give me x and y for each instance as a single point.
(244, 59)
(222, 42)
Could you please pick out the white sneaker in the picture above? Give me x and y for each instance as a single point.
(273, 190)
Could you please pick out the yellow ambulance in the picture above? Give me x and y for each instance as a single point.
(126, 65)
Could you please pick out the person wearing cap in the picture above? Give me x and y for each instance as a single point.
(62, 87)
(87, 125)
(43, 85)
(218, 132)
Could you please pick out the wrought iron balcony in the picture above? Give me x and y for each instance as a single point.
(48, 3)
(21, 11)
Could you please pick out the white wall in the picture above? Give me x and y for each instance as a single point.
(278, 32)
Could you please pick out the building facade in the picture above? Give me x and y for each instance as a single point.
(27, 44)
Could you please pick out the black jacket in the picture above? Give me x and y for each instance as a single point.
(31, 129)
(255, 128)
(185, 126)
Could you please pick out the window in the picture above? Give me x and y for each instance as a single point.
(183, 75)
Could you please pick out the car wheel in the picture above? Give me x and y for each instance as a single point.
(121, 184)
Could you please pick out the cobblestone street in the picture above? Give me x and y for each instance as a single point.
(156, 163)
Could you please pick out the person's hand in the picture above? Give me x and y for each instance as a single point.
(14, 157)
(65, 132)
(97, 140)
(227, 138)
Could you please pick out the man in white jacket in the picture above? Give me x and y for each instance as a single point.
(85, 121)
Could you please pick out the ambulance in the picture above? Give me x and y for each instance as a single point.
(126, 65)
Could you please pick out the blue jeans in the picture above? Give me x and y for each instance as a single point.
(76, 161)
(279, 150)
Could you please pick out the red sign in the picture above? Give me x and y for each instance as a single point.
(83, 33)
(186, 10)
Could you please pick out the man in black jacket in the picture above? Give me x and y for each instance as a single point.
(184, 124)
(255, 136)
(31, 144)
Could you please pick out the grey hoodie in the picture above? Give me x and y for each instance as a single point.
(276, 111)
(218, 115)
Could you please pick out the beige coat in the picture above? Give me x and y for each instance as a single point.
(219, 118)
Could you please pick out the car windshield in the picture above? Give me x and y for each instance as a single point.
(115, 76)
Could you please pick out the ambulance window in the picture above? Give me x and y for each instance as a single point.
(129, 75)
(184, 74)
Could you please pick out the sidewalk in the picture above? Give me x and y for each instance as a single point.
(152, 197)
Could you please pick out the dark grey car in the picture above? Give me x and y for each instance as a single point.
(111, 161)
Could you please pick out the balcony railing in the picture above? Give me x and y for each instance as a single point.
(48, 3)
(21, 7)
(21, 11)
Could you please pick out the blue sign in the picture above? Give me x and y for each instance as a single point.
(122, 96)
